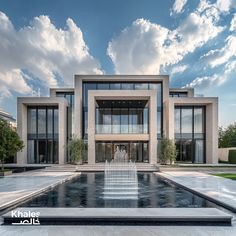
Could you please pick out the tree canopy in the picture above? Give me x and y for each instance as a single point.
(227, 136)
(10, 142)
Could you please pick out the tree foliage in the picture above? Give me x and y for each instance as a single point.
(168, 151)
(76, 148)
(10, 142)
(227, 136)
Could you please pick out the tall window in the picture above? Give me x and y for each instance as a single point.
(190, 133)
(42, 127)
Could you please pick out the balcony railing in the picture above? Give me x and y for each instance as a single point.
(121, 129)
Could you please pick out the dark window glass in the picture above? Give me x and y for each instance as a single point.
(102, 86)
(124, 120)
(115, 121)
(31, 120)
(198, 120)
(31, 151)
(56, 123)
(187, 117)
(141, 86)
(127, 86)
(190, 134)
(42, 123)
(145, 120)
(199, 151)
(50, 123)
(86, 88)
(115, 86)
(159, 122)
(177, 120)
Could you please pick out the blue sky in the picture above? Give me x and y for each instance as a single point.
(44, 43)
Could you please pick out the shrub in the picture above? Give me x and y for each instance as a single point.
(76, 148)
(232, 156)
(168, 151)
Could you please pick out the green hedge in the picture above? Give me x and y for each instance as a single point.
(232, 156)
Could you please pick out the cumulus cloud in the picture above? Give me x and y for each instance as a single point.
(215, 79)
(144, 47)
(43, 51)
(221, 56)
(233, 23)
(178, 6)
(178, 69)
(138, 49)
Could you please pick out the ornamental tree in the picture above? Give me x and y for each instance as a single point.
(10, 142)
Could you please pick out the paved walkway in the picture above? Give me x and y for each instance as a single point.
(117, 230)
(20, 186)
(220, 189)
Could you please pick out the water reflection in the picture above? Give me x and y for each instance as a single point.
(87, 191)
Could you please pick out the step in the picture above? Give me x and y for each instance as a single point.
(124, 216)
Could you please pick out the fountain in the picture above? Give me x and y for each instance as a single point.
(121, 180)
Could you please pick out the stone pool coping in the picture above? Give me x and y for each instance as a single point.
(98, 216)
(216, 189)
(9, 197)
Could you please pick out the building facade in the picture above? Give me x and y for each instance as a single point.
(131, 113)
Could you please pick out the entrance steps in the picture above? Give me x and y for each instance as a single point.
(97, 167)
(121, 216)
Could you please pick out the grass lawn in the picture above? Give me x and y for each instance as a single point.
(227, 175)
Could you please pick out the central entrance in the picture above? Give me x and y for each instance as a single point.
(136, 151)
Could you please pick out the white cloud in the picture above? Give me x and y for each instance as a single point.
(178, 69)
(233, 23)
(214, 80)
(44, 52)
(220, 56)
(144, 47)
(139, 48)
(178, 6)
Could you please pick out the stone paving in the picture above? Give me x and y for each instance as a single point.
(19, 186)
(218, 188)
(117, 230)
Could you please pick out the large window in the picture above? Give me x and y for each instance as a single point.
(95, 85)
(190, 133)
(122, 120)
(69, 96)
(136, 151)
(42, 130)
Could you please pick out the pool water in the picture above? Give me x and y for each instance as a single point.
(87, 191)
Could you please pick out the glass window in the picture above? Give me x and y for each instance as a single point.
(159, 122)
(86, 88)
(42, 123)
(141, 86)
(124, 120)
(115, 120)
(187, 120)
(198, 121)
(115, 86)
(199, 151)
(103, 86)
(31, 148)
(56, 123)
(127, 86)
(50, 123)
(31, 120)
(145, 120)
(177, 120)
(55, 151)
